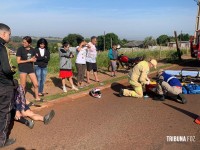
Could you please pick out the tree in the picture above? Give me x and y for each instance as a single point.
(123, 42)
(184, 37)
(72, 39)
(163, 40)
(109, 37)
(149, 41)
(171, 39)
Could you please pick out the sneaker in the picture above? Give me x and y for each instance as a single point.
(30, 124)
(181, 98)
(159, 98)
(8, 142)
(75, 88)
(121, 92)
(64, 89)
(48, 117)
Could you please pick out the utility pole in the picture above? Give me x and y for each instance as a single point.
(177, 46)
(104, 41)
(111, 42)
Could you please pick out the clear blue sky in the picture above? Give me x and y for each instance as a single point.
(130, 19)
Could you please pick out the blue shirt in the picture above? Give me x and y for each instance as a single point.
(171, 80)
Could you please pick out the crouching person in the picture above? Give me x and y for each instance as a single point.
(168, 85)
(23, 110)
(138, 77)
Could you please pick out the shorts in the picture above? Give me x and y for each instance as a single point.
(28, 71)
(20, 107)
(91, 66)
(65, 73)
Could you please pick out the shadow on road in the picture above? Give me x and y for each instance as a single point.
(190, 114)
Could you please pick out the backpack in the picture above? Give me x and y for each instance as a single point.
(191, 89)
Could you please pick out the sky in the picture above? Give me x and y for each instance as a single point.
(129, 19)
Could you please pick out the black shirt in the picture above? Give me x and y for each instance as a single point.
(27, 67)
(6, 74)
(42, 61)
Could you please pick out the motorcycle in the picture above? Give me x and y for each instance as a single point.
(126, 62)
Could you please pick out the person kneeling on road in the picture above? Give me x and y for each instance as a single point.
(23, 110)
(170, 86)
(138, 78)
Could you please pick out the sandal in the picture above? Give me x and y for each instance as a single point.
(40, 100)
(41, 94)
(30, 104)
(44, 93)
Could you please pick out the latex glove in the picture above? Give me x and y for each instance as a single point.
(148, 81)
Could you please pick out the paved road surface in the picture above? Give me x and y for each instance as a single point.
(113, 123)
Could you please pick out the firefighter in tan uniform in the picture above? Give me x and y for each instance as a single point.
(138, 77)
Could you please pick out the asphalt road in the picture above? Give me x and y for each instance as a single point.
(113, 123)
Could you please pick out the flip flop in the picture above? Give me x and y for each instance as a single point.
(41, 94)
(32, 104)
(45, 93)
(40, 100)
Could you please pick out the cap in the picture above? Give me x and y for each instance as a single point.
(154, 63)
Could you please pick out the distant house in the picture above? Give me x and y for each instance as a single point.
(182, 44)
(133, 44)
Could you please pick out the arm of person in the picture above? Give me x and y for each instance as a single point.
(19, 61)
(47, 57)
(5, 63)
(110, 55)
(144, 76)
(18, 115)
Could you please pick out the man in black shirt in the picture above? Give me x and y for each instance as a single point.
(6, 87)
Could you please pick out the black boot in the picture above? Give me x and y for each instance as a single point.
(181, 98)
(8, 142)
(159, 98)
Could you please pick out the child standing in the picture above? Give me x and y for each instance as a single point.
(66, 66)
(113, 55)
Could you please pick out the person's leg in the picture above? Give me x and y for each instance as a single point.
(6, 105)
(43, 79)
(63, 85)
(72, 84)
(94, 67)
(112, 72)
(23, 77)
(79, 69)
(35, 84)
(38, 72)
(136, 92)
(32, 115)
(114, 67)
(83, 67)
(46, 119)
(88, 66)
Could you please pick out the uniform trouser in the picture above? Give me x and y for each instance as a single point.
(167, 89)
(6, 106)
(136, 92)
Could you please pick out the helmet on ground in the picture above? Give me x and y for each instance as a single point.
(96, 93)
